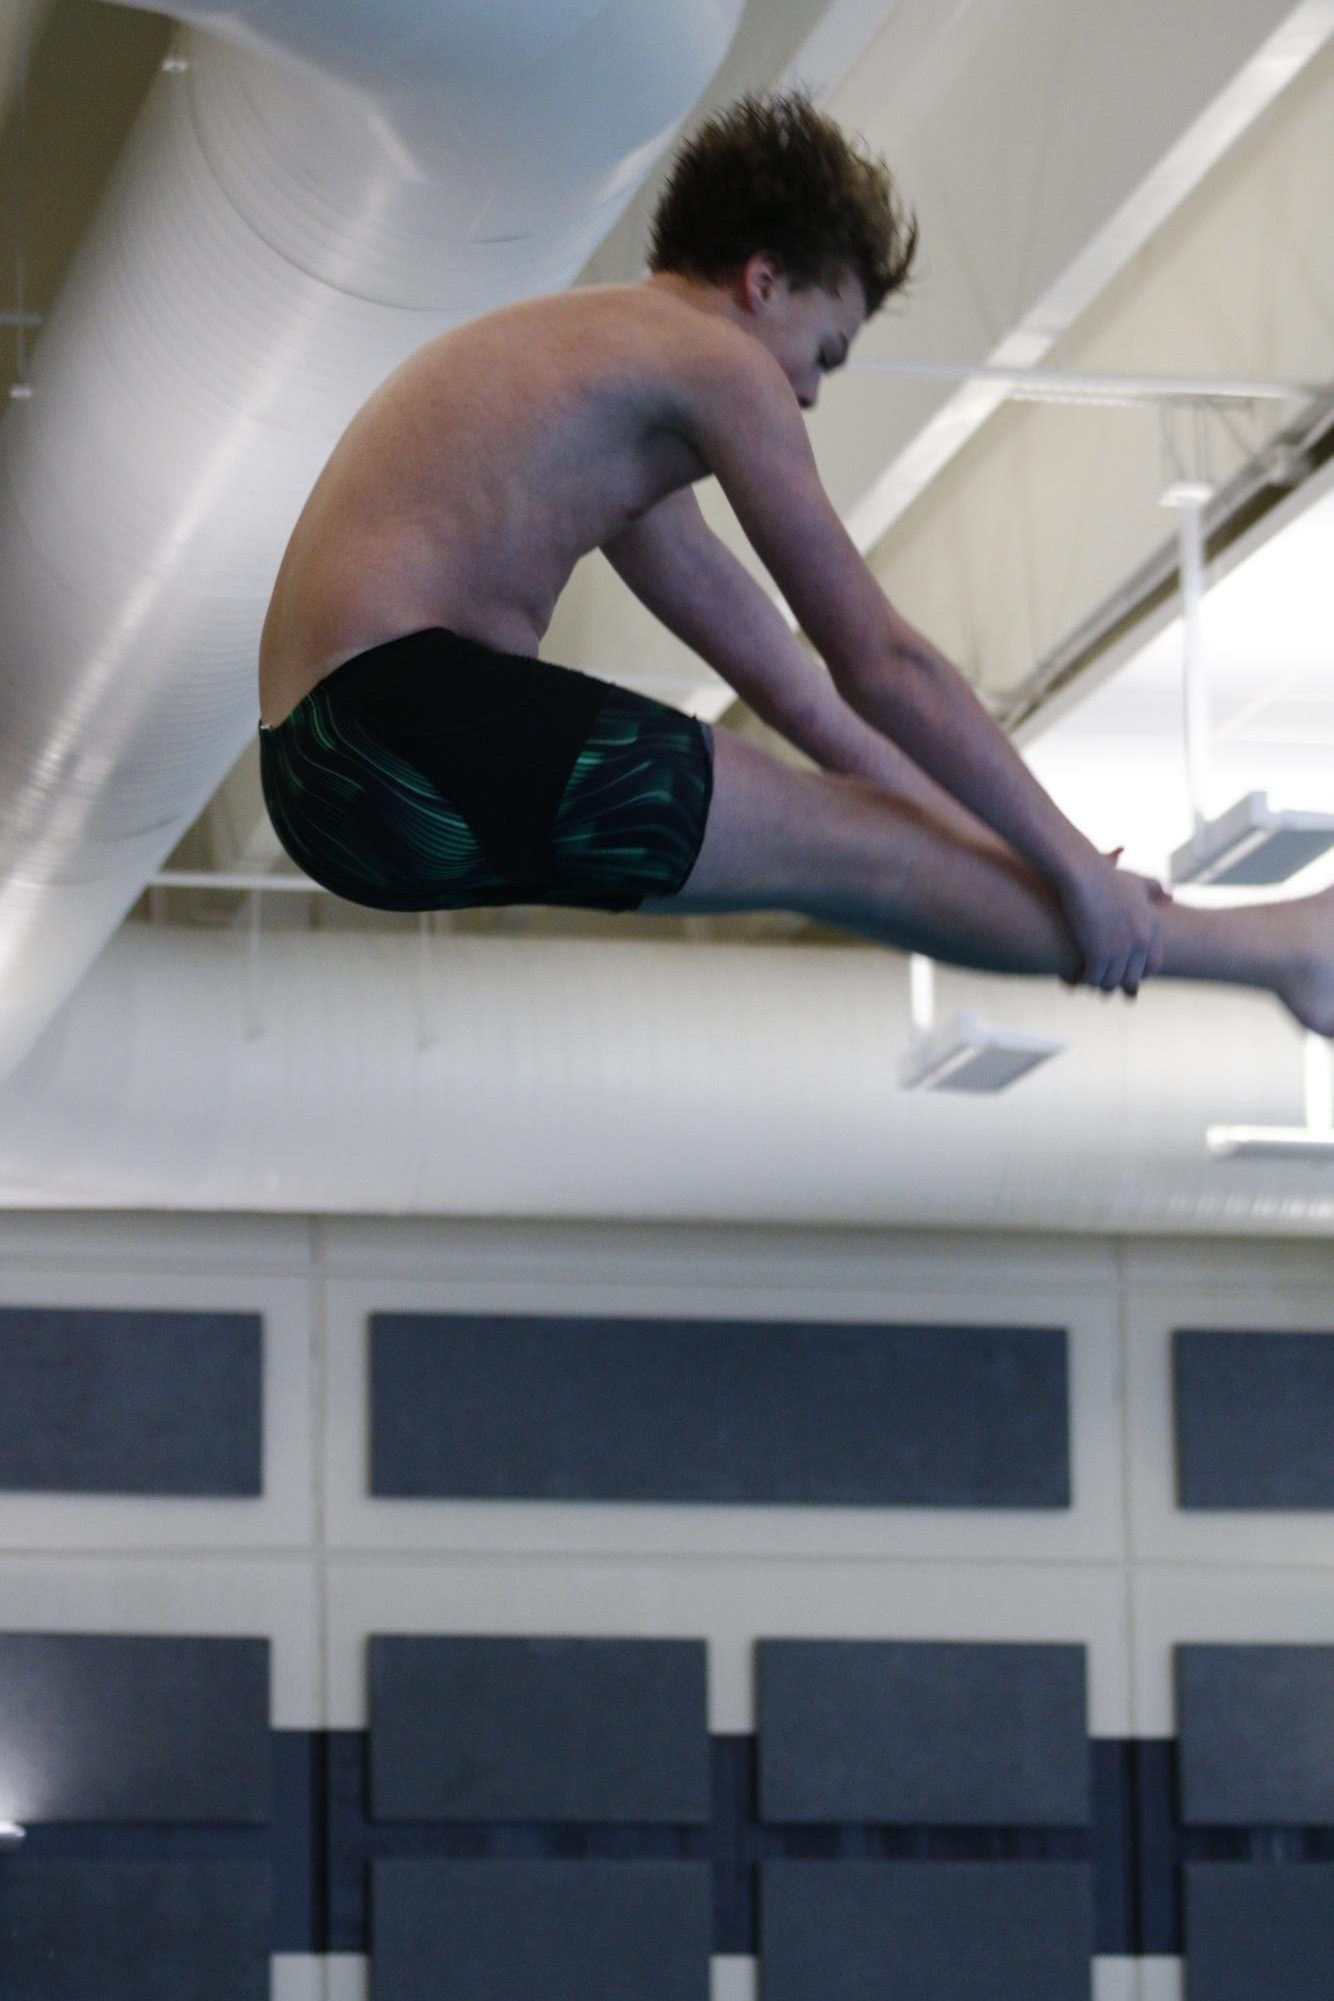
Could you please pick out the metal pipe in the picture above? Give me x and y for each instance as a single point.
(255, 885)
(1190, 544)
(1070, 385)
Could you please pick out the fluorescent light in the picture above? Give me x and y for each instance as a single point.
(12, 1835)
(1251, 844)
(1270, 1143)
(963, 1054)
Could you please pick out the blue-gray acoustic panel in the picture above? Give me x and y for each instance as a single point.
(905, 1732)
(1256, 1730)
(926, 1931)
(1259, 1931)
(135, 1931)
(134, 1728)
(1254, 1419)
(119, 1402)
(541, 1931)
(473, 1728)
(535, 1408)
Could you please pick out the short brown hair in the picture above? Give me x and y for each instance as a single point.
(771, 173)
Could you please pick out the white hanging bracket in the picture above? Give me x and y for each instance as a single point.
(1312, 1141)
(1251, 844)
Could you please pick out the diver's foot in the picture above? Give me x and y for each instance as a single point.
(1306, 984)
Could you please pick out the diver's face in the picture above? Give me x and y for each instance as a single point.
(808, 331)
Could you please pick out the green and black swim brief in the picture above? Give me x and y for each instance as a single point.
(434, 772)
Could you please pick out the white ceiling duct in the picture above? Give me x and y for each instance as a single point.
(313, 189)
(328, 1073)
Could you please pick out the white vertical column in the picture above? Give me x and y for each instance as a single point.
(1198, 724)
(922, 978)
(1319, 1084)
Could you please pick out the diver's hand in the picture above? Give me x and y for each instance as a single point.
(1116, 921)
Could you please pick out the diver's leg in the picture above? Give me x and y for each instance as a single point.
(859, 857)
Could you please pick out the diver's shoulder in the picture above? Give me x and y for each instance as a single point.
(704, 345)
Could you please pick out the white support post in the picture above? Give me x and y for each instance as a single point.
(425, 1032)
(1319, 1084)
(254, 1024)
(922, 989)
(1197, 718)
(1189, 485)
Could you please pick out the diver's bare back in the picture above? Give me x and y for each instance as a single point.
(468, 487)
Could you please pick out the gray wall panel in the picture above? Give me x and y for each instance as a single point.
(1254, 1419)
(541, 1931)
(130, 1402)
(1256, 1725)
(525, 1407)
(1259, 1932)
(131, 1728)
(908, 1732)
(475, 1728)
(929, 1931)
(134, 1931)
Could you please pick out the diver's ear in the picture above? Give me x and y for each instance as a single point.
(759, 280)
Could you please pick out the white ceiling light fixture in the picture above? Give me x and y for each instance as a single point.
(963, 1053)
(12, 1835)
(1312, 1141)
(1250, 845)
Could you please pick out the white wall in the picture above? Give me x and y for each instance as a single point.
(317, 1566)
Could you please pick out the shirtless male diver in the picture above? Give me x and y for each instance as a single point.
(417, 755)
